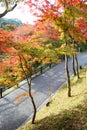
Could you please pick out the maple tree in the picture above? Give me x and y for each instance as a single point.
(76, 35)
(9, 74)
(26, 52)
(49, 13)
(24, 30)
(9, 27)
(12, 72)
(38, 40)
(5, 39)
(61, 13)
(29, 54)
(78, 32)
(8, 70)
(24, 65)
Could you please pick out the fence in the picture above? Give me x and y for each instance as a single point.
(39, 70)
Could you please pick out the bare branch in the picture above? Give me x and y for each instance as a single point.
(7, 8)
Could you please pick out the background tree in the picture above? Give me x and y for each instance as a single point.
(9, 74)
(75, 12)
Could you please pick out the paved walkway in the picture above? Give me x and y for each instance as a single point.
(13, 115)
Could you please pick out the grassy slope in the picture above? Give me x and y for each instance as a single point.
(64, 113)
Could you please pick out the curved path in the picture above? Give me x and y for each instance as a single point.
(13, 115)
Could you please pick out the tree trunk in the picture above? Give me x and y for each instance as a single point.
(7, 10)
(73, 65)
(29, 85)
(68, 76)
(77, 68)
(0, 92)
(32, 100)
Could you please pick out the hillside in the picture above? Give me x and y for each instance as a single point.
(64, 113)
(4, 21)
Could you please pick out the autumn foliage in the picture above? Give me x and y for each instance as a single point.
(28, 46)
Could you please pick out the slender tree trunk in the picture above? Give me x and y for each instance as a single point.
(32, 100)
(77, 68)
(0, 92)
(73, 65)
(29, 85)
(68, 76)
(66, 57)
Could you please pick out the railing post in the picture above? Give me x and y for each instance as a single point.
(50, 65)
(0, 92)
(41, 69)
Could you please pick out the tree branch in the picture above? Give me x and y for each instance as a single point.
(7, 9)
